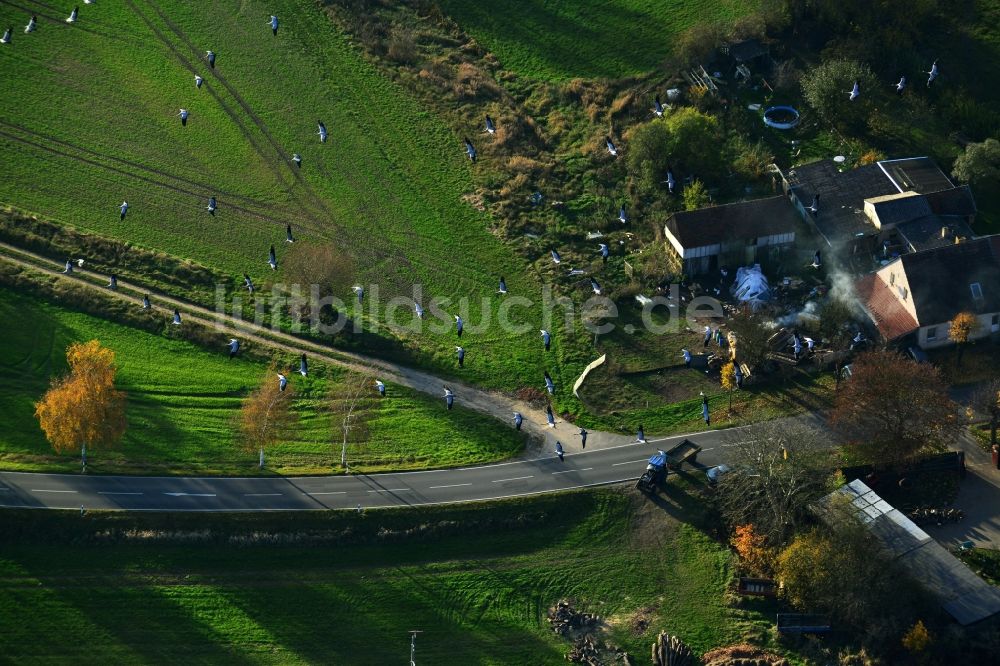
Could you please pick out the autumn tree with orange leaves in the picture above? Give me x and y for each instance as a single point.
(83, 408)
(265, 416)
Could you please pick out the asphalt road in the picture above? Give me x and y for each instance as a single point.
(611, 464)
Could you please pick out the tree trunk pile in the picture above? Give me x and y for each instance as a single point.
(566, 621)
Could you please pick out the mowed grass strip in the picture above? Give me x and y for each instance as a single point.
(566, 39)
(91, 120)
(182, 399)
(475, 580)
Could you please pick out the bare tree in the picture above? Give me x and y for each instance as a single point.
(778, 469)
(346, 397)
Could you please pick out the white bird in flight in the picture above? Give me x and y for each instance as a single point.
(184, 117)
(6, 36)
(32, 24)
(360, 292)
(657, 107)
(297, 159)
(595, 286)
(234, 346)
(418, 310)
(198, 81)
(211, 206)
(303, 366)
(933, 74)
(145, 302)
(611, 147)
(549, 385)
(123, 208)
(670, 181)
(459, 325)
(449, 397)
(274, 25)
(211, 58)
(555, 257)
(901, 85)
(380, 385)
(503, 286)
(282, 382)
(73, 14)
(321, 131)
(546, 338)
(470, 150)
(549, 416)
(622, 214)
(603, 247)
(490, 127)
(272, 260)
(288, 234)
(177, 317)
(855, 92)
(248, 283)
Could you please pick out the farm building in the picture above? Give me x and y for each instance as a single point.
(872, 201)
(736, 234)
(960, 592)
(918, 294)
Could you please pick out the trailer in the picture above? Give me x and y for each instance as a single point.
(663, 462)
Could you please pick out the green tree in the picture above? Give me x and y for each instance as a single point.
(685, 138)
(826, 87)
(696, 196)
(980, 163)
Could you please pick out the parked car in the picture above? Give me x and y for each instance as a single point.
(917, 354)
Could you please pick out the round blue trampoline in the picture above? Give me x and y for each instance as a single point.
(781, 117)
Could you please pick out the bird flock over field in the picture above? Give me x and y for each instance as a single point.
(489, 129)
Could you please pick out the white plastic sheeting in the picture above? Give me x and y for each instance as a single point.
(751, 286)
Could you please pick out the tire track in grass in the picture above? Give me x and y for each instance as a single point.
(84, 160)
(60, 20)
(274, 165)
(230, 196)
(255, 119)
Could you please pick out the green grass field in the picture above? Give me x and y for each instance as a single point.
(568, 39)
(476, 580)
(90, 119)
(181, 400)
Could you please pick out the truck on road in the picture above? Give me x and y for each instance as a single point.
(663, 462)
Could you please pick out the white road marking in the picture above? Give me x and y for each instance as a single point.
(336, 492)
(34, 490)
(108, 492)
(630, 462)
(708, 449)
(392, 490)
(262, 494)
(6, 490)
(190, 494)
(516, 478)
(567, 471)
(454, 485)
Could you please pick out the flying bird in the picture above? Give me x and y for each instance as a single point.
(816, 260)
(234, 346)
(640, 436)
(321, 131)
(113, 282)
(603, 247)
(503, 286)
(69, 267)
(855, 92)
(459, 324)
(611, 147)
(449, 397)
(380, 385)
(360, 292)
(418, 310)
(248, 283)
(576, 271)
(297, 159)
(518, 420)
(490, 127)
(282, 382)
(470, 150)
(6, 36)
(184, 117)
(123, 208)
(303, 366)
(211, 58)
(211, 206)
(622, 214)
(32, 24)
(274, 25)
(546, 339)
(198, 81)
(272, 260)
(559, 450)
(901, 85)
(814, 206)
(549, 385)
(555, 257)
(657, 107)
(145, 302)
(73, 14)
(460, 351)
(933, 74)
(288, 234)
(549, 417)
(595, 286)
(177, 317)
(670, 181)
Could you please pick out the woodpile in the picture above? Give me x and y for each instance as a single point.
(670, 651)
(566, 621)
(742, 655)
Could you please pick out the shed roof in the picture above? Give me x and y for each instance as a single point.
(900, 207)
(963, 595)
(738, 221)
(924, 233)
(954, 201)
(842, 194)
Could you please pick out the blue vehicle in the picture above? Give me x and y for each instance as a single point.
(665, 461)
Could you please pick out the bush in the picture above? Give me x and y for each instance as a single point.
(980, 163)
(826, 87)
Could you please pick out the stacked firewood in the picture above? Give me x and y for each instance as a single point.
(670, 651)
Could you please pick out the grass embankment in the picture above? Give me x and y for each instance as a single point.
(347, 588)
(568, 39)
(386, 188)
(181, 401)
